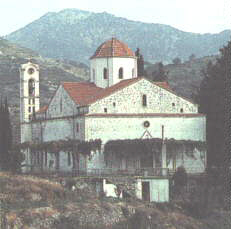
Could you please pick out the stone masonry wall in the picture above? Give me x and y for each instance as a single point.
(129, 100)
(61, 104)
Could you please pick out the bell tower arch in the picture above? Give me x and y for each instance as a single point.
(29, 91)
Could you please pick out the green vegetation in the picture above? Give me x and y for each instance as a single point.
(151, 146)
(10, 160)
(214, 99)
(74, 146)
(33, 202)
(75, 34)
(161, 75)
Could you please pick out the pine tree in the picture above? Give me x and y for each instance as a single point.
(215, 99)
(140, 63)
(5, 136)
(161, 75)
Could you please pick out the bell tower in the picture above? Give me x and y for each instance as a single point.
(29, 91)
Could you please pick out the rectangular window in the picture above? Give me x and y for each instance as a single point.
(29, 109)
(33, 109)
(105, 73)
(105, 110)
(29, 101)
(33, 101)
(144, 100)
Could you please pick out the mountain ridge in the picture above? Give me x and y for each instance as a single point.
(75, 34)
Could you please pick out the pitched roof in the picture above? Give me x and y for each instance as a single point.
(81, 92)
(42, 109)
(110, 90)
(113, 48)
(164, 85)
(84, 93)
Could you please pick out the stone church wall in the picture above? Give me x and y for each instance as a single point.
(61, 105)
(129, 100)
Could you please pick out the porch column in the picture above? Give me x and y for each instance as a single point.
(164, 156)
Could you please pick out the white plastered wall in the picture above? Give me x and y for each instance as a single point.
(59, 129)
(159, 189)
(132, 127)
(24, 91)
(112, 64)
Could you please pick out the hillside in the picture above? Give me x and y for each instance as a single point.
(33, 202)
(75, 34)
(184, 78)
(52, 71)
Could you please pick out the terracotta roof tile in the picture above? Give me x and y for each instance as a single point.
(164, 85)
(42, 109)
(110, 90)
(81, 92)
(113, 48)
(84, 93)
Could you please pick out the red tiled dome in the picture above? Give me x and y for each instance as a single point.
(113, 48)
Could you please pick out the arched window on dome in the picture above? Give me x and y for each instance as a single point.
(31, 87)
(121, 73)
(105, 73)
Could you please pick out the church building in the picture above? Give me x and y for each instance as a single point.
(115, 105)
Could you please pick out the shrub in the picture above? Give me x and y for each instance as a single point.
(180, 177)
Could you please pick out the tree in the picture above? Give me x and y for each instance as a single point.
(9, 160)
(180, 176)
(160, 75)
(192, 57)
(140, 63)
(214, 100)
(176, 61)
(5, 136)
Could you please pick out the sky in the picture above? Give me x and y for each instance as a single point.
(199, 16)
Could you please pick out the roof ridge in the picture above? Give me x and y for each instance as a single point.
(101, 94)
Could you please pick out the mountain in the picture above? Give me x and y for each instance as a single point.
(75, 34)
(52, 71)
(184, 78)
